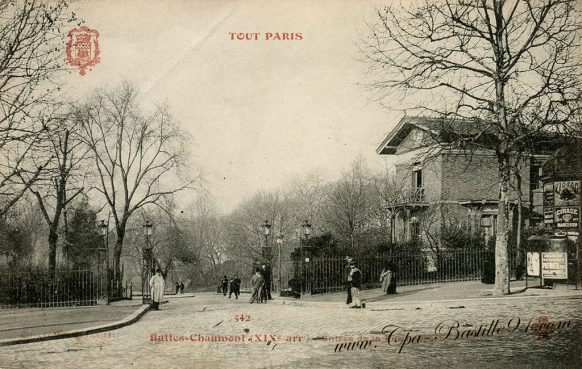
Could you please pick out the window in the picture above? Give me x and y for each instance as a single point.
(534, 177)
(415, 232)
(416, 176)
(489, 225)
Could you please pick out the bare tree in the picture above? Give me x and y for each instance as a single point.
(31, 49)
(509, 68)
(350, 201)
(63, 178)
(391, 192)
(244, 228)
(207, 231)
(139, 157)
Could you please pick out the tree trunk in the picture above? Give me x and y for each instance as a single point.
(117, 252)
(501, 255)
(519, 255)
(392, 228)
(52, 255)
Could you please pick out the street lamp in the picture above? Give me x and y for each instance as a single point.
(279, 243)
(306, 231)
(267, 255)
(266, 231)
(104, 230)
(147, 261)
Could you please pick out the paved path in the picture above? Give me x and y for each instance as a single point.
(278, 335)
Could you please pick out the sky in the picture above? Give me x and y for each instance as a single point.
(260, 112)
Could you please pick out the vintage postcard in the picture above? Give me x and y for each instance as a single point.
(290, 184)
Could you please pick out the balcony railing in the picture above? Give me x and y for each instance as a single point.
(416, 195)
(408, 196)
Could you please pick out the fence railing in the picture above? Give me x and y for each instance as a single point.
(328, 274)
(43, 289)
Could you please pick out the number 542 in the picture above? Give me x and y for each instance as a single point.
(242, 318)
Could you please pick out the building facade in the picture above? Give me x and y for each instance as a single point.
(453, 186)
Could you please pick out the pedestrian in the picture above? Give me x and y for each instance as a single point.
(386, 278)
(257, 282)
(224, 285)
(392, 285)
(266, 272)
(157, 289)
(181, 288)
(347, 281)
(234, 287)
(355, 278)
(177, 287)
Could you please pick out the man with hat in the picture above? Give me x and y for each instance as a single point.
(347, 280)
(355, 278)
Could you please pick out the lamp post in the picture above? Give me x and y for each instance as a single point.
(267, 253)
(279, 243)
(104, 230)
(306, 231)
(147, 261)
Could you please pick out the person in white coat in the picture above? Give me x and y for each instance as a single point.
(157, 289)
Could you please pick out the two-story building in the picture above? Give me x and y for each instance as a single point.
(454, 183)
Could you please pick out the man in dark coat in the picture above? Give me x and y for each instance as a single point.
(347, 282)
(234, 287)
(266, 273)
(224, 285)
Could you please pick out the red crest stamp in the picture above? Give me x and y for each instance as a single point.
(83, 48)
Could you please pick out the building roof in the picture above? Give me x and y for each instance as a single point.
(434, 126)
(565, 163)
(444, 130)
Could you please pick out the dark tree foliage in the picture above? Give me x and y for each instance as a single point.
(82, 239)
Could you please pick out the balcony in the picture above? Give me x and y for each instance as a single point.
(409, 197)
(415, 195)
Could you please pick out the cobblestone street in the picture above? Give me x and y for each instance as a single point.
(284, 335)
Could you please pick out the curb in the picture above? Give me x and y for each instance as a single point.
(78, 332)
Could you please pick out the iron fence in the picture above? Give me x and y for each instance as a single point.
(328, 274)
(45, 289)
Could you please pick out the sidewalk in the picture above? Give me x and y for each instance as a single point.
(452, 291)
(41, 324)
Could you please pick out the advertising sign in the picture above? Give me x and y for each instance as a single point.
(554, 265)
(567, 217)
(566, 193)
(533, 264)
(548, 215)
(549, 194)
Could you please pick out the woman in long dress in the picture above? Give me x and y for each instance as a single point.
(157, 289)
(386, 279)
(257, 282)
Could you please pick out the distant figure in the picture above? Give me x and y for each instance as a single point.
(355, 278)
(181, 287)
(157, 289)
(266, 272)
(347, 281)
(256, 286)
(388, 280)
(224, 285)
(234, 287)
(177, 287)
